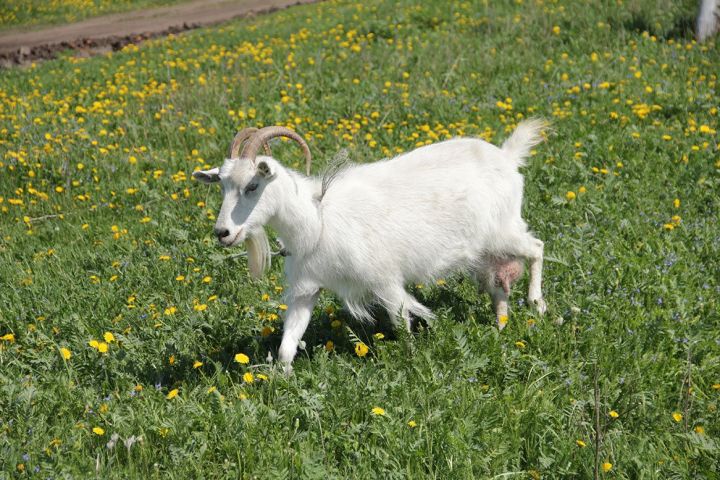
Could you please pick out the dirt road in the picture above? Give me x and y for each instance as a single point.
(20, 45)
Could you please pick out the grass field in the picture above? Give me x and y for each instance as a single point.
(15, 13)
(121, 320)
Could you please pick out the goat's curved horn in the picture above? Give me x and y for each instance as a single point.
(251, 149)
(242, 136)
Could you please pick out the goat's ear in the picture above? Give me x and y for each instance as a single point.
(265, 170)
(207, 176)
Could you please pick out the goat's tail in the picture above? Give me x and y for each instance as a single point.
(527, 134)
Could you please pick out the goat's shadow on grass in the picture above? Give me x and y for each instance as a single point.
(459, 300)
(682, 28)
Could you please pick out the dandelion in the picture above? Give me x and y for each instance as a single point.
(570, 195)
(580, 443)
(379, 336)
(361, 349)
(606, 467)
(98, 431)
(677, 416)
(248, 377)
(502, 321)
(65, 353)
(109, 337)
(102, 347)
(412, 424)
(700, 430)
(197, 364)
(378, 411)
(172, 394)
(8, 337)
(614, 414)
(242, 358)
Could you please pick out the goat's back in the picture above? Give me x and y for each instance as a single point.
(423, 213)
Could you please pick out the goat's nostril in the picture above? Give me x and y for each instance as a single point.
(222, 232)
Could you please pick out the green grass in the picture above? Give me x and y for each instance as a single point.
(99, 220)
(17, 13)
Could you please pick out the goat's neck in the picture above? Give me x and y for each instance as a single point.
(297, 219)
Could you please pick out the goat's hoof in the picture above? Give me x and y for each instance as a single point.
(540, 305)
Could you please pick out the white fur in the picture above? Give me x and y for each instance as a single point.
(708, 21)
(447, 207)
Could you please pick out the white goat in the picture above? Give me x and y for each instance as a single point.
(367, 230)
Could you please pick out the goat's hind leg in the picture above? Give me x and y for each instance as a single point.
(531, 248)
(486, 279)
(400, 305)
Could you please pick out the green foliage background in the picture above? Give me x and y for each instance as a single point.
(102, 231)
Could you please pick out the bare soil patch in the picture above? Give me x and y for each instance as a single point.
(112, 32)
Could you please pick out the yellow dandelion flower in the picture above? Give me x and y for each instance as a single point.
(8, 337)
(172, 394)
(248, 377)
(98, 431)
(109, 337)
(242, 358)
(677, 416)
(412, 424)
(570, 195)
(197, 364)
(700, 430)
(606, 467)
(378, 411)
(502, 321)
(65, 353)
(102, 347)
(379, 336)
(614, 414)
(580, 443)
(361, 349)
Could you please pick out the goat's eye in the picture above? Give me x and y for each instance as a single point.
(251, 188)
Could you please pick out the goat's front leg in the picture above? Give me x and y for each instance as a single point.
(296, 322)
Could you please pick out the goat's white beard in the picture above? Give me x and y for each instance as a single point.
(258, 252)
